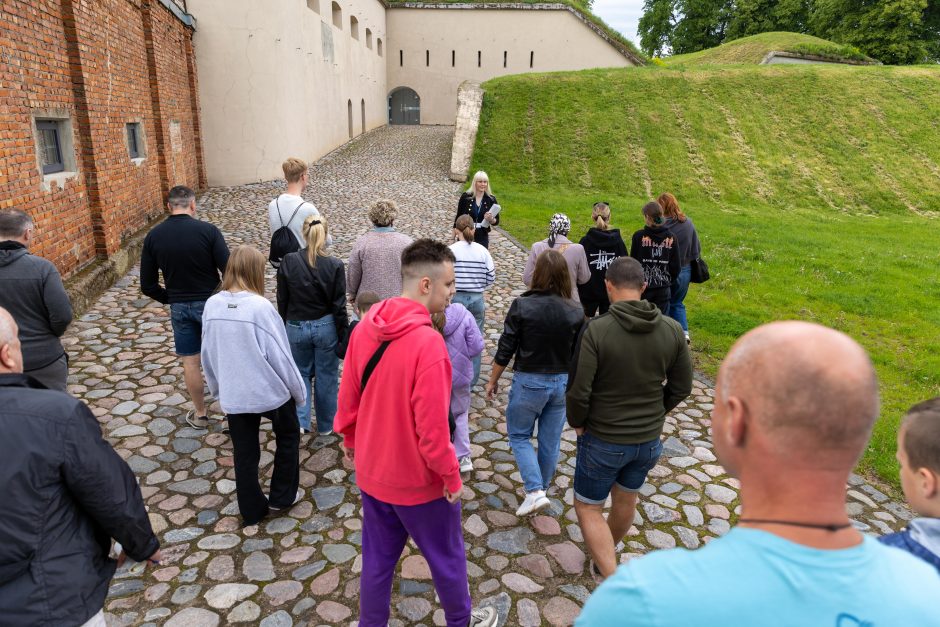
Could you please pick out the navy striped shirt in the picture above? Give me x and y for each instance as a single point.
(474, 270)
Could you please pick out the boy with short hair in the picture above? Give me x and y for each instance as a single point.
(919, 456)
(392, 414)
(290, 209)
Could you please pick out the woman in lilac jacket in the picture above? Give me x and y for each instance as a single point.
(464, 342)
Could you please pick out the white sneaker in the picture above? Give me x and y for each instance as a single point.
(466, 464)
(534, 501)
(300, 495)
(484, 617)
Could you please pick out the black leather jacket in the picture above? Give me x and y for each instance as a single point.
(540, 330)
(305, 293)
(465, 206)
(65, 494)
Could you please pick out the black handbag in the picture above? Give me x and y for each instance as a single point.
(700, 272)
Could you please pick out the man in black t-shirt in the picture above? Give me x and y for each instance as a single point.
(191, 254)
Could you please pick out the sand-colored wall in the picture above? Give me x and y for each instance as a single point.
(275, 79)
(557, 37)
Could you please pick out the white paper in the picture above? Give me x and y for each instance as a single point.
(494, 210)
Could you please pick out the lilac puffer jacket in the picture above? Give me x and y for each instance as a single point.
(464, 342)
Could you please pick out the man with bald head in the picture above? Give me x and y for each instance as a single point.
(795, 404)
(65, 494)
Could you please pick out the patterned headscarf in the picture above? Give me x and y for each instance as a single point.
(559, 225)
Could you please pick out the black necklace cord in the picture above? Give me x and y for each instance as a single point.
(792, 523)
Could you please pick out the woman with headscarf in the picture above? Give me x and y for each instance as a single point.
(575, 257)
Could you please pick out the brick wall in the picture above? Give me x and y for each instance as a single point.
(101, 64)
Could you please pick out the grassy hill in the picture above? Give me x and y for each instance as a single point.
(752, 50)
(815, 189)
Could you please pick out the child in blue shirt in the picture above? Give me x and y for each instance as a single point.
(919, 456)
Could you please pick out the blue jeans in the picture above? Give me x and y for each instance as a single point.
(536, 399)
(473, 301)
(186, 319)
(313, 345)
(680, 287)
(601, 465)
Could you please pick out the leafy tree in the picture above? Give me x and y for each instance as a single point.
(751, 17)
(655, 27)
(891, 31)
(701, 24)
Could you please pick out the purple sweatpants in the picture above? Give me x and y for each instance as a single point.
(460, 408)
(436, 529)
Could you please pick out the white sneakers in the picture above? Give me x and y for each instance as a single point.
(466, 464)
(300, 495)
(534, 501)
(484, 617)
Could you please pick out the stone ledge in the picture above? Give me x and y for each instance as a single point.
(810, 58)
(85, 287)
(469, 104)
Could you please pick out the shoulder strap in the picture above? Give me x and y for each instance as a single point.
(293, 215)
(373, 362)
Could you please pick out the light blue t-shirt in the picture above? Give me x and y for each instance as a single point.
(751, 578)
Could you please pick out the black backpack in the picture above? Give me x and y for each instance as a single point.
(283, 241)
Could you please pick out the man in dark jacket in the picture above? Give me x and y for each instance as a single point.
(65, 494)
(31, 290)
(617, 404)
(191, 254)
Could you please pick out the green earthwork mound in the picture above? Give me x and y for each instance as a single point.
(815, 190)
(752, 50)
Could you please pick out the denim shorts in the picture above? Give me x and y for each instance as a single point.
(601, 465)
(187, 327)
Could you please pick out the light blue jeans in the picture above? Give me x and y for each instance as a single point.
(680, 287)
(313, 346)
(473, 301)
(536, 399)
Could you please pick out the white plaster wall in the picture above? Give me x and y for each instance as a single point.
(558, 38)
(268, 89)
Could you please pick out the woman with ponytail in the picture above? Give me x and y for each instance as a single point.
(657, 250)
(474, 272)
(558, 228)
(602, 245)
(311, 298)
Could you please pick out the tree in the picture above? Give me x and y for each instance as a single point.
(891, 31)
(751, 17)
(655, 27)
(701, 24)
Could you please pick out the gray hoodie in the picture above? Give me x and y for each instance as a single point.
(246, 356)
(32, 291)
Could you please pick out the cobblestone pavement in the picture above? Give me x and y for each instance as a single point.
(302, 568)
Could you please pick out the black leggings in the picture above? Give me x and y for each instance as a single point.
(244, 429)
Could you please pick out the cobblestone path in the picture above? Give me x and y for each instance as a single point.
(302, 568)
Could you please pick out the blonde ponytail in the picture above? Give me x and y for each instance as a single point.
(601, 215)
(315, 233)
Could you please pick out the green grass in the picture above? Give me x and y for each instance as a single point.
(815, 190)
(752, 50)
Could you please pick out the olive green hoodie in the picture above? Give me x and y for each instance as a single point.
(615, 388)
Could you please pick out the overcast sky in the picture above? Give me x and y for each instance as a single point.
(621, 14)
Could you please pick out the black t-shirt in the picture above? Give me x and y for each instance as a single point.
(190, 253)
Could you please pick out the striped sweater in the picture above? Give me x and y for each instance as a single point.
(474, 270)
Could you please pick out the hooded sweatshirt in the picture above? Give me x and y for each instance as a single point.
(398, 428)
(615, 388)
(464, 342)
(657, 250)
(31, 290)
(601, 248)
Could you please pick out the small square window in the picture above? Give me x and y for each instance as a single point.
(50, 146)
(135, 141)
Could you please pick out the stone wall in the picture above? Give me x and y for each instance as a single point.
(469, 104)
(96, 66)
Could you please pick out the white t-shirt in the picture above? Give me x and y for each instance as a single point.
(282, 208)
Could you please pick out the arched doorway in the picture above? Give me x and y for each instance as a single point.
(349, 112)
(404, 106)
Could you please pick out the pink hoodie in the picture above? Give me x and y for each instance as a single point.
(399, 429)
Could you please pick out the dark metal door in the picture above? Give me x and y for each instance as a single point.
(404, 106)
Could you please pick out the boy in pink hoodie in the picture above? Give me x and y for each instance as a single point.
(395, 431)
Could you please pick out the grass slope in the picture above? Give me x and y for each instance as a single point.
(814, 189)
(752, 50)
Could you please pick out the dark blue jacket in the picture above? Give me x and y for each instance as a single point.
(65, 493)
(903, 540)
